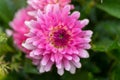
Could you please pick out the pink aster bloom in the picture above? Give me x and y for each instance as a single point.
(19, 28)
(40, 4)
(56, 37)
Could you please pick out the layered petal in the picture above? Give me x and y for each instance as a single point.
(57, 37)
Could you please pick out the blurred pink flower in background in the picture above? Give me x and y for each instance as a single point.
(19, 28)
(56, 37)
(25, 14)
(40, 4)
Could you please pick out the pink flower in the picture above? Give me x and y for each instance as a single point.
(56, 37)
(40, 4)
(19, 28)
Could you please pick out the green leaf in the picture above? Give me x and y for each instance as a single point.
(90, 66)
(3, 66)
(79, 75)
(8, 8)
(3, 38)
(111, 6)
(4, 47)
(5, 12)
(116, 54)
(106, 36)
(29, 68)
(115, 75)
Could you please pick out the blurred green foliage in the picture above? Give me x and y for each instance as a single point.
(104, 61)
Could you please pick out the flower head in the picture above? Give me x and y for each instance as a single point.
(19, 28)
(56, 37)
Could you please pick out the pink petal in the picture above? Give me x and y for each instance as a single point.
(59, 65)
(83, 53)
(60, 71)
(45, 59)
(41, 69)
(77, 64)
(48, 66)
(67, 65)
(76, 58)
(28, 46)
(72, 69)
(68, 57)
(75, 15)
(84, 23)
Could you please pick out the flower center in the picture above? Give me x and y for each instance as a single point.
(59, 37)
